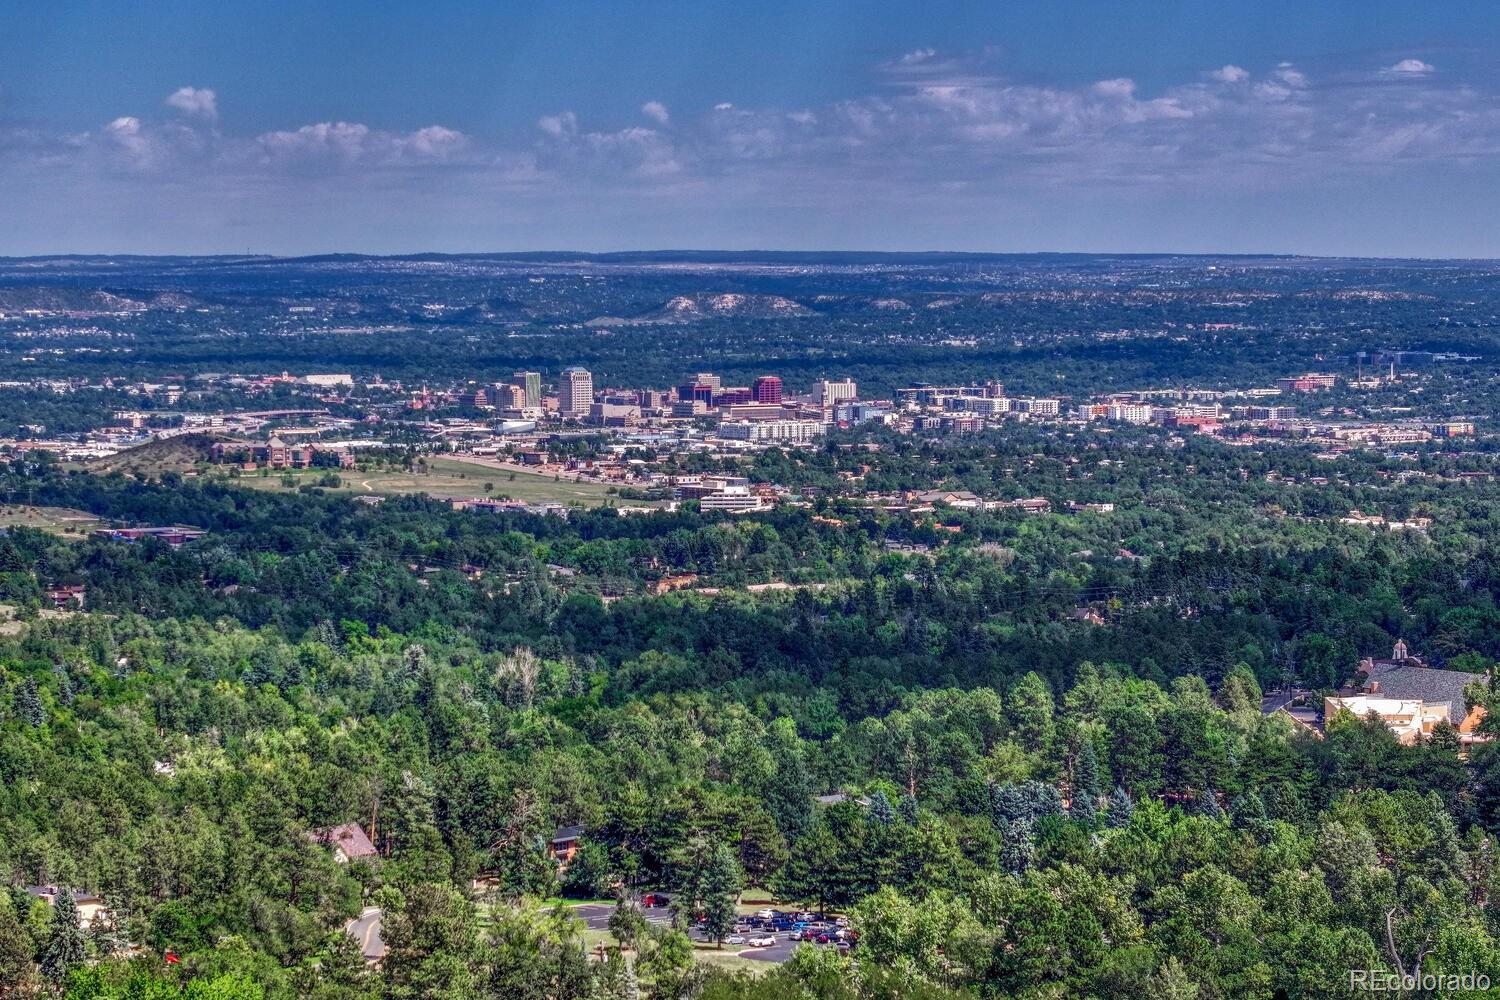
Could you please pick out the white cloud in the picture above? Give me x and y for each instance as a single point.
(195, 101)
(1410, 67)
(1290, 75)
(916, 57)
(562, 124)
(952, 124)
(1122, 87)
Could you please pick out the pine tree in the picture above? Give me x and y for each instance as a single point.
(29, 704)
(63, 948)
(1017, 846)
(721, 887)
(1208, 804)
(1086, 772)
(65, 690)
(909, 809)
(1120, 809)
(614, 979)
(1083, 808)
(880, 809)
(15, 953)
(1086, 784)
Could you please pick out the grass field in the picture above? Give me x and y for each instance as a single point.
(445, 478)
(58, 520)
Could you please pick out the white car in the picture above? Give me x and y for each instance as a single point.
(765, 914)
(735, 939)
(764, 941)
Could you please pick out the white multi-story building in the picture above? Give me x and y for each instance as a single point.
(1038, 407)
(732, 498)
(1129, 413)
(792, 431)
(826, 393)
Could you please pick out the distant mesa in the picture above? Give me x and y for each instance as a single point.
(720, 305)
(45, 299)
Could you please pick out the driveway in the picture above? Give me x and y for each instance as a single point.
(365, 929)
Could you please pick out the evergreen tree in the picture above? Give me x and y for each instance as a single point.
(1083, 808)
(1086, 772)
(16, 975)
(29, 704)
(1208, 804)
(721, 887)
(63, 949)
(432, 942)
(1120, 809)
(880, 810)
(1017, 846)
(616, 980)
(1085, 803)
(1024, 800)
(627, 923)
(909, 809)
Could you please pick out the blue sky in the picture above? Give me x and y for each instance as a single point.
(1349, 128)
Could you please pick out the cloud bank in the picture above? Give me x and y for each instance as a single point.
(942, 131)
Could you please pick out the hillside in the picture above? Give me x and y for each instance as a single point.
(173, 454)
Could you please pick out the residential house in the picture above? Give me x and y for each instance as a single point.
(90, 905)
(349, 843)
(565, 842)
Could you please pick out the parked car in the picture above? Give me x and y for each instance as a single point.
(763, 941)
(796, 934)
(735, 939)
(841, 921)
(765, 914)
(653, 899)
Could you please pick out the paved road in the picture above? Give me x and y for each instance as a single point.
(365, 929)
(596, 916)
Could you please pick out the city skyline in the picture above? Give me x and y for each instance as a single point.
(1368, 130)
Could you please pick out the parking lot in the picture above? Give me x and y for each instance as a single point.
(596, 917)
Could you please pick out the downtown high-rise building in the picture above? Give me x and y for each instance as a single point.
(575, 392)
(767, 389)
(531, 384)
(828, 393)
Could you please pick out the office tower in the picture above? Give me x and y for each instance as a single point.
(826, 393)
(767, 389)
(575, 392)
(531, 384)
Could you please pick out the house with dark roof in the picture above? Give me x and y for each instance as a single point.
(1411, 697)
(565, 844)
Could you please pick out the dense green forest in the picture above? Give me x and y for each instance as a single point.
(1116, 838)
(1037, 803)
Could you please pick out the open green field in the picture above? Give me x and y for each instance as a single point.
(445, 478)
(59, 521)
